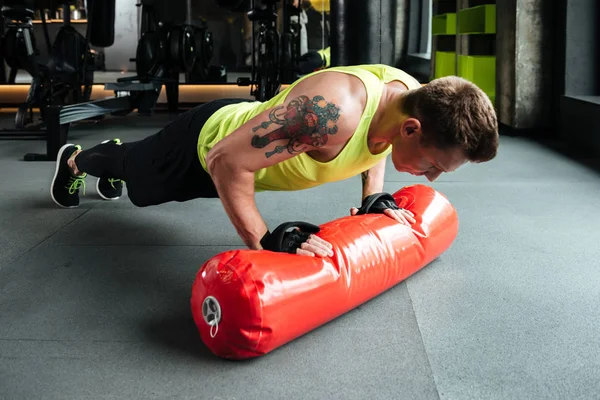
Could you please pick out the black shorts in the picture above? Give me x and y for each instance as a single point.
(165, 166)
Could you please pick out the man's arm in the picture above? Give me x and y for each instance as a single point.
(271, 137)
(372, 182)
(235, 186)
(373, 179)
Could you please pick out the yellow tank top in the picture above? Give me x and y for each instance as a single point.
(320, 5)
(302, 171)
(325, 56)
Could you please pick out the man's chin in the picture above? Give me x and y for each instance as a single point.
(408, 171)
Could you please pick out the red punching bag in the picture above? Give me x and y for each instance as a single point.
(247, 303)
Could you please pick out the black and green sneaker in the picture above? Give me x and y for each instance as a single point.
(65, 186)
(110, 188)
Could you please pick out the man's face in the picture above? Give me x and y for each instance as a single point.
(410, 155)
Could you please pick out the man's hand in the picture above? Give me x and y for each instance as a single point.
(383, 203)
(297, 238)
(403, 216)
(315, 246)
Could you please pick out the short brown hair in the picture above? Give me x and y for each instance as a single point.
(455, 112)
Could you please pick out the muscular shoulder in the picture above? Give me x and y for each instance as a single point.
(338, 100)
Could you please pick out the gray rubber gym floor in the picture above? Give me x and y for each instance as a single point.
(94, 302)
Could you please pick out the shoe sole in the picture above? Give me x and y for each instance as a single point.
(100, 194)
(58, 158)
(98, 181)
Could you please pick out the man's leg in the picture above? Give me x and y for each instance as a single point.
(105, 161)
(152, 168)
(161, 168)
(165, 167)
(110, 173)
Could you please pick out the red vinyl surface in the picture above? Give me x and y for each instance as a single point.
(246, 303)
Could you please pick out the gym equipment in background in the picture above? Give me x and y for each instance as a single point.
(64, 77)
(202, 70)
(265, 78)
(19, 47)
(246, 303)
(165, 50)
(277, 58)
(290, 43)
(57, 115)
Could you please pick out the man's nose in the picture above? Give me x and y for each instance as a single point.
(432, 176)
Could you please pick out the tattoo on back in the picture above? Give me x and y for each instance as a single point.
(302, 122)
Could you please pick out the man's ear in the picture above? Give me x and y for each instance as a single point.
(411, 126)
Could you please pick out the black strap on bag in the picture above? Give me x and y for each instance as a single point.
(288, 237)
(377, 203)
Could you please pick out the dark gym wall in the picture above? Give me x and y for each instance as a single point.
(582, 72)
(404, 30)
(317, 36)
(232, 48)
(226, 27)
(411, 37)
(173, 11)
(548, 69)
(579, 103)
(524, 64)
(362, 32)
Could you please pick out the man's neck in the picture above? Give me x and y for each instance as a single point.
(390, 106)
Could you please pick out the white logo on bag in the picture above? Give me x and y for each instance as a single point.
(211, 311)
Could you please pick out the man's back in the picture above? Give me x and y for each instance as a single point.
(316, 99)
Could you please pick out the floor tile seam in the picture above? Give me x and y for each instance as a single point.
(41, 242)
(412, 306)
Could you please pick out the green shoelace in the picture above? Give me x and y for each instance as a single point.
(113, 181)
(75, 183)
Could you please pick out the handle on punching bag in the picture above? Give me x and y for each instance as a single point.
(279, 240)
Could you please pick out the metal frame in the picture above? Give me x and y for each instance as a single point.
(58, 119)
